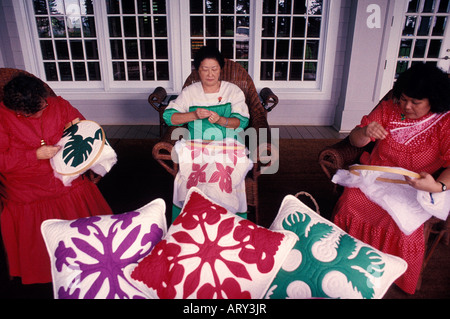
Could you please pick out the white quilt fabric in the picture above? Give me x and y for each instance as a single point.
(217, 168)
(409, 207)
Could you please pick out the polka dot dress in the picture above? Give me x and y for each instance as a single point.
(421, 145)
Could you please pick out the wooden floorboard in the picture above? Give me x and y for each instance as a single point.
(285, 132)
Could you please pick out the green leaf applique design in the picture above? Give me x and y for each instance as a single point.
(360, 269)
(78, 148)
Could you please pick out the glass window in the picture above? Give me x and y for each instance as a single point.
(291, 30)
(68, 40)
(223, 23)
(423, 33)
(138, 40)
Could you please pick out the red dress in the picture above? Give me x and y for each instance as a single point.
(33, 193)
(421, 145)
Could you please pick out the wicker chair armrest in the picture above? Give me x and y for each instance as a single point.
(269, 99)
(339, 156)
(157, 97)
(162, 153)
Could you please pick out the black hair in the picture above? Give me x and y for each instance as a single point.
(425, 81)
(24, 93)
(208, 52)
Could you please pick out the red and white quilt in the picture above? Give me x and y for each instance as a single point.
(218, 168)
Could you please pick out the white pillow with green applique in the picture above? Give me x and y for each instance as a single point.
(326, 262)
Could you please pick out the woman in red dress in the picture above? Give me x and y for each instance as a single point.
(31, 122)
(411, 131)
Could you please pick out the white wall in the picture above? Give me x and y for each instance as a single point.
(357, 58)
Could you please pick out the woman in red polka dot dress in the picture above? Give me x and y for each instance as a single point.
(410, 131)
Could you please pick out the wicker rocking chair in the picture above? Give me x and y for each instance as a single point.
(232, 72)
(343, 154)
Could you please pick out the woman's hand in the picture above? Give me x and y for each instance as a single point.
(375, 131)
(213, 117)
(361, 136)
(47, 152)
(202, 113)
(425, 183)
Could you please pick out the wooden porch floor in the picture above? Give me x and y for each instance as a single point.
(286, 132)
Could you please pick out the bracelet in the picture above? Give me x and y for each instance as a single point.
(226, 123)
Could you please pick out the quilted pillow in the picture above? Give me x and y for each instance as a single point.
(211, 253)
(88, 255)
(328, 263)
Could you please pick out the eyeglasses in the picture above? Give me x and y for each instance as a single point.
(29, 115)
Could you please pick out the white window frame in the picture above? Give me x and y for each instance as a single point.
(179, 62)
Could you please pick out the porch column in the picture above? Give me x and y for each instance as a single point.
(365, 61)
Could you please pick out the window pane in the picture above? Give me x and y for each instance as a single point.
(47, 50)
(145, 26)
(91, 50)
(76, 48)
(79, 69)
(269, 6)
(297, 49)
(128, 7)
(115, 30)
(227, 48)
(160, 26)
(405, 48)
(133, 71)
(424, 28)
(159, 6)
(196, 6)
(242, 6)
(267, 49)
(161, 49)
(65, 72)
(314, 27)
(196, 26)
(162, 71)
(435, 48)
(129, 27)
(439, 27)
(59, 27)
(282, 49)
(40, 7)
(227, 27)
(266, 71)
(94, 71)
(444, 6)
(212, 26)
(116, 49)
(284, 27)
(284, 7)
(296, 71)
(131, 48)
(146, 49)
(410, 26)
(227, 6)
(212, 6)
(119, 71)
(51, 74)
(89, 27)
(62, 51)
(310, 71)
(148, 71)
(299, 27)
(281, 71)
(312, 50)
(268, 27)
(112, 6)
(43, 27)
(420, 48)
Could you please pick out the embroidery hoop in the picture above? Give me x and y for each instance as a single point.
(86, 164)
(354, 170)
